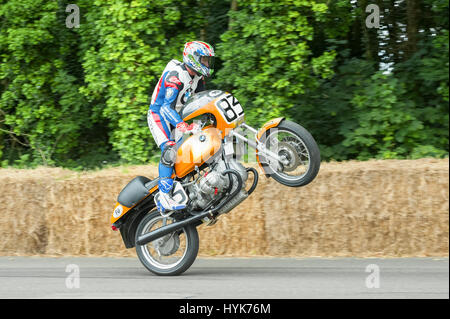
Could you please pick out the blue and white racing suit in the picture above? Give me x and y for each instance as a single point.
(173, 89)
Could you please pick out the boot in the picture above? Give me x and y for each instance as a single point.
(165, 201)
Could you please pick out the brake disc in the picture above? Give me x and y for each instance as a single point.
(289, 152)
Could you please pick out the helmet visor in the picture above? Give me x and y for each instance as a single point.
(207, 61)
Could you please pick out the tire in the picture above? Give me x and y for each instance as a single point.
(147, 256)
(304, 140)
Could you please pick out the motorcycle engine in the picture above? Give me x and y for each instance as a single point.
(213, 184)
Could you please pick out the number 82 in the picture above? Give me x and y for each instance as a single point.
(230, 108)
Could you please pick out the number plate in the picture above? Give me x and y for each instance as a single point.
(230, 108)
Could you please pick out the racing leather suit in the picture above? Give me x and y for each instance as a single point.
(171, 93)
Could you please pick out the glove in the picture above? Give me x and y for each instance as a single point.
(183, 127)
(194, 128)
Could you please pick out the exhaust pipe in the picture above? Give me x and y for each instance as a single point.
(160, 232)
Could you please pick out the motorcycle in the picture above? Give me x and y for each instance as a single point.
(209, 179)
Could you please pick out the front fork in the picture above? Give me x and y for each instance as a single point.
(259, 146)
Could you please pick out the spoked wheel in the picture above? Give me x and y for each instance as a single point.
(298, 151)
(169, 255)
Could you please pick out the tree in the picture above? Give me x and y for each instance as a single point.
(267, 58)
(78, 97)
(42, 112)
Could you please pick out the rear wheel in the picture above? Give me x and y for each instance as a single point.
(171, 254)
(298, 151)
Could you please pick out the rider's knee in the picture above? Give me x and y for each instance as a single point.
(169, 154)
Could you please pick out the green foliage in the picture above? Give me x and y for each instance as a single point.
(130, 44)
(78, 97)
(362, 112)
(267, 58)
(385, 126)
(40, 102)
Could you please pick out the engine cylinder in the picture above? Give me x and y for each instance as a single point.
(210, 182)
(215, 184)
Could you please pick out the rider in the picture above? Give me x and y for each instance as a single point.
(176, 84)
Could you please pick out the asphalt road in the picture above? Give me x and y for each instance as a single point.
(226, 278)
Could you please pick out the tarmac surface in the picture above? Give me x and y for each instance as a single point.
(225, 278)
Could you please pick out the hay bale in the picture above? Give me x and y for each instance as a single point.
(363, 209)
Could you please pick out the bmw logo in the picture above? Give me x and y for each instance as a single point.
(202, 138)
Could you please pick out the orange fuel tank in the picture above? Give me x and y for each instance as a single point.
(196, 150)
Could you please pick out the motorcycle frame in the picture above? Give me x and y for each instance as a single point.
(128, 225)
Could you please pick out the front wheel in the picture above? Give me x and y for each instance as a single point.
(171, 254)
(298, 152)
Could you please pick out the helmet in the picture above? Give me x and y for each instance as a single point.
(199, 56)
